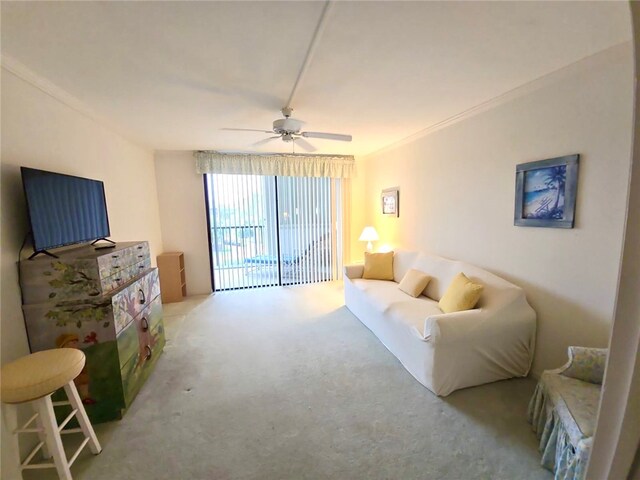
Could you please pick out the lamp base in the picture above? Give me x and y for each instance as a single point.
(369, 247)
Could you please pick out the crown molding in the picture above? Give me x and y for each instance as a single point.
(581, 66)
(618, 51)
(24, 73)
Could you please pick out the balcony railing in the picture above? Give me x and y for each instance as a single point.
(232, 245)
(243, 259)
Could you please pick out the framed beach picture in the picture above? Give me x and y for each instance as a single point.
(546, 192)
(390, 205)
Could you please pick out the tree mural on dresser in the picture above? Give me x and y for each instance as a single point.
(69, 281)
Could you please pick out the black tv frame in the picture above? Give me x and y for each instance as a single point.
(93, 240)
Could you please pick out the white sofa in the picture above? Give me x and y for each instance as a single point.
(446, 351)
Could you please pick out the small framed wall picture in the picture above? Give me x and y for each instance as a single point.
(546, 192)
(390, 201)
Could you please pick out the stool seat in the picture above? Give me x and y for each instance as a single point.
(40, 374)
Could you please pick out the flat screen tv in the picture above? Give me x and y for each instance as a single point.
(64, 209)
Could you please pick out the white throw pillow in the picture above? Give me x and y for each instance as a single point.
(414, 282)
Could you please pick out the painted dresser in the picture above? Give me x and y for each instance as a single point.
(105, 302)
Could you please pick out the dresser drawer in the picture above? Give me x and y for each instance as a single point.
(128, 343)
(125, 305)
(114, 263)
(132, 300)
(149, 318)
(149, 288)
(153, 343)
(124, 275)
(139, 367)
(135, 335)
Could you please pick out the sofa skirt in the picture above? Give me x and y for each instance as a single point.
(565, 460)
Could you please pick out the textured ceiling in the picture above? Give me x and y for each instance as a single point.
(172, 74)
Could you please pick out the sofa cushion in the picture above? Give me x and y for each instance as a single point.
(497, 291)
(414, 282)
(381, 293)
(403, 260)
(576, 403)
(462, 294)
(441, 271)
(587, 364)
(378, 266)
(409, 313)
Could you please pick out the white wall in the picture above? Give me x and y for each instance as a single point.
(357, 214)
(41, 132)
(457, 187)
(617, 438)
(183, 216)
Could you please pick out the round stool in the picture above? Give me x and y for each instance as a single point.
(32, 379)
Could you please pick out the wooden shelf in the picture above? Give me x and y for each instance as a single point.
(173, 284)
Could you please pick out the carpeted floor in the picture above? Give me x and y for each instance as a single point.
(285, 383)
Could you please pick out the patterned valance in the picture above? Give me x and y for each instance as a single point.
(284, 165)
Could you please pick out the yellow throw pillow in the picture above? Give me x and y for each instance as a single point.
(378, 266)
(462, 294)
(414, 282)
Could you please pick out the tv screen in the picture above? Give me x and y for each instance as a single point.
(64, 209)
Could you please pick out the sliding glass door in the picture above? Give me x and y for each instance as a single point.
(267, 231)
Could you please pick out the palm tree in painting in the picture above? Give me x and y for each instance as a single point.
(556, 178)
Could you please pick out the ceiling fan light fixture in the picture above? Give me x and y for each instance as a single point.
(287, 125)
(288, 129)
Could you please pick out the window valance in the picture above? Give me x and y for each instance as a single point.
(284, 165)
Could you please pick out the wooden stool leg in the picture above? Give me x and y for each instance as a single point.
(48, 418)
(10, 421)
(47, 448)
(83, 420)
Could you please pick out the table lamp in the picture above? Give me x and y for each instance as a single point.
(369, 235)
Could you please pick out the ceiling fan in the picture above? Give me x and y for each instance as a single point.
(288, 129)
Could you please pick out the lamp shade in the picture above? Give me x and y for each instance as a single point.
(369, 234)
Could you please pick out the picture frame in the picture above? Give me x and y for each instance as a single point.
(546, 192)
(390, 198)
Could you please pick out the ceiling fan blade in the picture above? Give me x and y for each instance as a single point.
(327, 136)
(264, 140)
(246, 130)
(304, 144)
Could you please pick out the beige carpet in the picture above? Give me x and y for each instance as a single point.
(285, 383)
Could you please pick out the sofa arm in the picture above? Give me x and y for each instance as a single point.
(353, 271)
(451, 327)
(586, 364)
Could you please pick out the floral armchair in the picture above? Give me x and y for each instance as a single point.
(563, 412)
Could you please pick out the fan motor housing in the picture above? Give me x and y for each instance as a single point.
(287, 125)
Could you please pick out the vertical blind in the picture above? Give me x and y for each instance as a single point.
(304, 209)
(268, 230)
